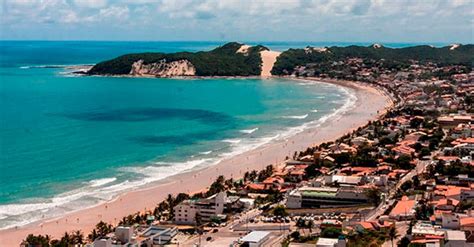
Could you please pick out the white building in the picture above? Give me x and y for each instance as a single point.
(255, 238)
(450, 221)
(187, 211)
(331, 242)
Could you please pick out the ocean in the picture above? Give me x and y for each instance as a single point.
(69, 142)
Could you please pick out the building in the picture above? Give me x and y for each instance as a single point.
(187, 211)
(103, 242)
(404, 210)
(158, 235)
(255, 238)
(124, 234)
(316, 197)
(331, 242)
(455, 238)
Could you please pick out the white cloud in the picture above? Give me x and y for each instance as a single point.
(114, 12)
(91, 3)
(253, 18)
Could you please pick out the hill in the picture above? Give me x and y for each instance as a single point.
(231, 59)
(395, 57)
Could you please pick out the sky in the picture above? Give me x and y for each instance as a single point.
(449, 21)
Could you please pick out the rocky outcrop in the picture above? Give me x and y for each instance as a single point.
(163, 68)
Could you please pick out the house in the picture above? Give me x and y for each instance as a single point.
(450, 221)
(467, 224)
(187, 211)
(455, 238)
(404, 209)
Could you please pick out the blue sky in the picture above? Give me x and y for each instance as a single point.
(450, 21)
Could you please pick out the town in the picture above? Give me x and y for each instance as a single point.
(406, 179)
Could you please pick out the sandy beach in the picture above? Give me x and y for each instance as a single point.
(369, 105)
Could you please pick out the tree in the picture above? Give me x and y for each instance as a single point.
(404, 242)
(295, 235)
(373, 194)
(331, 232)
(280, 210)
(103, 229)
(393, 234)
(78, 237)
(403, 162)
(425, 152)
(312, 170)
(40, 240)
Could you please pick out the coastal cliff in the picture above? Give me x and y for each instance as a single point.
(163, 68)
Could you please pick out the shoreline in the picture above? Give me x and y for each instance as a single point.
(370, 104)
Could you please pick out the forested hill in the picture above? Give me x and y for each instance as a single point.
(231, 59)
(456, 54)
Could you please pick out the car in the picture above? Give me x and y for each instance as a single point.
(215, 230)
(208, 238)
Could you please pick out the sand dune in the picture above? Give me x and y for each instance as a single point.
(268, 58)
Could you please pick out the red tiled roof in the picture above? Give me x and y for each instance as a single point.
(403, 207)
(467, 221)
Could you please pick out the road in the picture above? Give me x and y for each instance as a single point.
(380, 209)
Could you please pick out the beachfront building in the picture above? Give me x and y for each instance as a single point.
(187, 211)
(158, 235)
(316, 197)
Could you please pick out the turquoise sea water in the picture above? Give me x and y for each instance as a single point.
(68, 142)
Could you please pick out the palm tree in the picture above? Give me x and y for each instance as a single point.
(393, 234)
(78, 237)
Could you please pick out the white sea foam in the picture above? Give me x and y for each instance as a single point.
(100, 182)
(105, 189)
(249, 131)
(206, 152)
(315, 110)
(233, 141)
(55, 66)
(297, 116)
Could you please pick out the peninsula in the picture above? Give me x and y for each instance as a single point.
(236, 59)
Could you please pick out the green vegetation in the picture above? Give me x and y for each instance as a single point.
(222, 61)
(331, 232)
(280, 210)
(367, 238)
(391, 58)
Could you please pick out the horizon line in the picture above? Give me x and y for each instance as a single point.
(227, 41)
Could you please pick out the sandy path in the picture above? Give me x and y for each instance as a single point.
(369, 102)
(268, 59)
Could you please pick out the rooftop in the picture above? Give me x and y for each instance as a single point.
(255, 236)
